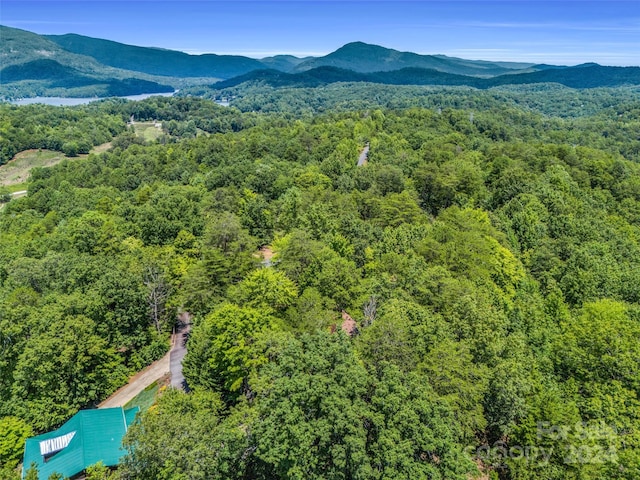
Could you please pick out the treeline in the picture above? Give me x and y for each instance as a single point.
(580, 76)
(546, 98)
(70, 130)
(187, 116)
(490, 265)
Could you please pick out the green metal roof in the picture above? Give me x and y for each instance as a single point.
(90, 436)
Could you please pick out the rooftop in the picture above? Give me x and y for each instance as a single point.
(90, 436)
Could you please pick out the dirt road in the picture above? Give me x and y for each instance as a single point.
(139, 382)
(170, 364)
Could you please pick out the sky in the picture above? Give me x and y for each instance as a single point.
(554, 32)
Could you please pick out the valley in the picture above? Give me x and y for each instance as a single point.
(473, 235)
(365, 264)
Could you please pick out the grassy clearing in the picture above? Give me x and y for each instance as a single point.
(17, 187)
(15, 173)
(101, 148)
(17, 170)
(145, 398)
(148, 131)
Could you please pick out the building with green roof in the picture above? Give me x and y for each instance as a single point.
(89, 437)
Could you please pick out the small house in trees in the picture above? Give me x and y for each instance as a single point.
(89, 437)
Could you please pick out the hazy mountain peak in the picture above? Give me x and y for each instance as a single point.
(366, 58)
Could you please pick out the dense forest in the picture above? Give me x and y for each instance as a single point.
(488, 254)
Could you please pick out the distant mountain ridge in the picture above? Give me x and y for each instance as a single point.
(284, 63)
(32, 65)
(156, 61)
(20, 46)
(357, 56)
(366, 58)
(76, 65)
(582, 76)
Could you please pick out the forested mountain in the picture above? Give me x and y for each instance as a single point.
(157, 61)
(284, 63)
(19, 47)
(31, 65)
(488, 255)
(581, 76)
(357, 56)
(365, 58)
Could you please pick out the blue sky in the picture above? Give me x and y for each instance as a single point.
(557, 32)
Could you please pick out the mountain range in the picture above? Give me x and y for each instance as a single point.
(364, 58)
(356, 56)
(580, 76)
(76, 65)
(32, 65)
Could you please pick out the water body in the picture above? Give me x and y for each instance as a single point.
(69, 102)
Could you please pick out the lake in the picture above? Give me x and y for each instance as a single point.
(69, 102)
